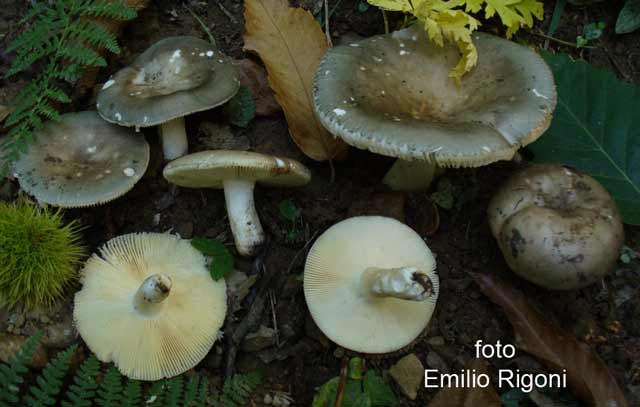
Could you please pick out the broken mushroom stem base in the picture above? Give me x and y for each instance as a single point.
(406, 283)
(174, 138)
(243, 218)
(153, 290)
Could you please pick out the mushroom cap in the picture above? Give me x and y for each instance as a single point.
(81, 161)
(175, 77)
(333, 291)
(180, 332)
(556, 227)
(208, 169)
(391, 94)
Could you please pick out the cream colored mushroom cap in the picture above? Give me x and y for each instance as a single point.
(81, 161)
(168, 342)
(332, 289)
(208, 169)
(391, 94)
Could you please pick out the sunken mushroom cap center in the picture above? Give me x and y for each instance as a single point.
(412, 82)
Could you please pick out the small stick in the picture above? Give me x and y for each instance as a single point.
(272, 300)
(344, 369)
(386, 21)
(226, 12)
(327, 30)
(614, 62)
(202, 25)
(559, 41)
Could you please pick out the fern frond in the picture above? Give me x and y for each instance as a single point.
(82, 55)
(155, 394)
(11, 373)
(84, 386)
(132, 394)
(115, 10)
(191, 392)
(174, 391)
(96, 35)
(110, 392)
(49, 382)
(238, 388)
(203, 392)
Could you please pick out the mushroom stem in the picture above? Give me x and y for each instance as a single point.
(174, 138)
(245, 224)
(153, 290)
(406, 283)
(414, 175)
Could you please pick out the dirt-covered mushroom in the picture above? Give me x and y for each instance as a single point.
(391, 94)
(81, 161)
(149, 304)
(556, 227)
(237, 172)
(370, 284)
(175, 77)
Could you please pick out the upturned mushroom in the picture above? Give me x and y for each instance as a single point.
(237, 173)
(370, 284)
(81, 160)
(149, 305)
(175, 77)
(556, 227)
(392, 95)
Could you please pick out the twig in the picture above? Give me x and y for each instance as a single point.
(226, 12)
(301, 251)
(332, 169)
(386, 21)
(202, 25)
(327, 29)
(344, 369)
(614, 62)
(563, 42)
(272, 301)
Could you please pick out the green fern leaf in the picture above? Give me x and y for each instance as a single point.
(114, 10)
(191, 392)
(155, 394)
(110, 392)
(49, 383)
(132, 394)
(96, 35)
(84, 386)
(238, 388)
(174, 391)
(203, 392)
(82, 55)
(57, 95)
(11, 374)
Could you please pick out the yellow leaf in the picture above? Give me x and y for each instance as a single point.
(291, 43)
(393, 5)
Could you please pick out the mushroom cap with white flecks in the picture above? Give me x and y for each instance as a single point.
(81, 160)
(176, 336)
(208, 169)
(332, 285)
(392, 94)
(175, 77)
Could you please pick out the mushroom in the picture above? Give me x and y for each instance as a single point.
(556, 227)
(81, 160)
(370, 284)
(175, 77)
(392, 95)
(149, 305)
(237, 172)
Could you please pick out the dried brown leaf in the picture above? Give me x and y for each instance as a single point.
(291, 43)
(254, 77)
(471, 396)
(587, 374)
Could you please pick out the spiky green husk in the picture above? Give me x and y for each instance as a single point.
(39, 254)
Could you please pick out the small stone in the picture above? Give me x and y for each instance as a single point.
(268, 399)
(11, 344)
(436, 341)
(408, 373)
(435, 361)
(185, 229)
(45, 319)
(256, 341)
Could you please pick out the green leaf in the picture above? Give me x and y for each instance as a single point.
(593, 31)
(355, 368)
(596, 129)
(241, 109)
(288, 210)
(222, 260)
(557, 15)
(629, 17)
(379, 392)
(326, 396)
(444, 195)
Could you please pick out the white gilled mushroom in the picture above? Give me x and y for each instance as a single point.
(81, 161)
(556, 227)
(391, 94)
(370, 284)
(237, 173)
(149, 305)
(175, 77)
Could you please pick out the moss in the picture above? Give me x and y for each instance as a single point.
(39, 254)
